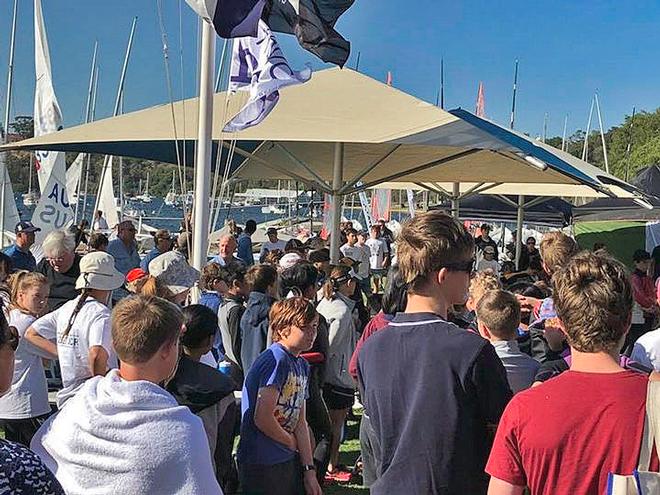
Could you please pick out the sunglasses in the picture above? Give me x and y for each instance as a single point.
(461, 266)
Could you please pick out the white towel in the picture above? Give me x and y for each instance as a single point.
(121, 437)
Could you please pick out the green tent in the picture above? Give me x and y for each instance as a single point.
(621, 238)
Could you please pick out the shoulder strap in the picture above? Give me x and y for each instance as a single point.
(651, 435)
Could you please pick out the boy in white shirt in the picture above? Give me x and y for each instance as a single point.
(123, 433)
(488, 262)
(377, 254)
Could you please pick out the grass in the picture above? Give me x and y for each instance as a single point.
(349, 451)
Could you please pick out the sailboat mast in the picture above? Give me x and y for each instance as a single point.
(10, 80)
(563, 136)
(629, 146)
(89, 156)
(585, 149)
(602, 133)
(513, 101)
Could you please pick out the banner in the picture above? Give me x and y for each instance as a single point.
(53, 212)
(327, 217)
(364, 202)
(380, 204)
(411, 202)
(259, 66)
(47, 114)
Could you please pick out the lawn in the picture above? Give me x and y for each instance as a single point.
(349, 452)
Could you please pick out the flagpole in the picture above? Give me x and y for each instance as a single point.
(442, 83)
(337, 182)
(513, 102)
(204, 148)
(10, 80)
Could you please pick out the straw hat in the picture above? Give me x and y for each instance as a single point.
(97, 271)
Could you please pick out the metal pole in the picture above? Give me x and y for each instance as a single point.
(442, 83)
(545, 126)
(10, 80)
(585, 149)
(602, 134)
(563, 136)
(629, 146)
(519, 227)
(204, 148)
(89, 156)
(456, 193)
(513, 103)
(337, 180)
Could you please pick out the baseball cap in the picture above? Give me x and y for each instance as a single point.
(97, 271)
(173, 271)
(289, 259)
(135, 274)
(26, 226)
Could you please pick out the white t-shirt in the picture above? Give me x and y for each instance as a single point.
(646, 350)
(100, 224)
(485, 264)
(90, 328)
(272, 246)
(377, 251)
(28, 396)
(361, 254)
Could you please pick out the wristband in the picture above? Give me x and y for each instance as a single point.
(309, 467)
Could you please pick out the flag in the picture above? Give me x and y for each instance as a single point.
(53, 212)
(481, 102)
(380, 204)
(73, 174)
(327, 217)
(411, 202)
(259, 66)
(389, 78)
(313, 23)
(231, 18)
(364, 203)
(47, 114)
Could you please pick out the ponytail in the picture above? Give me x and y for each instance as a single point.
(21, 281)
(81, 301)
(154, 287)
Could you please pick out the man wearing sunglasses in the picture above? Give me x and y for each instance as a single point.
(432, 390)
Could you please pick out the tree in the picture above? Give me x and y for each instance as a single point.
(23, 126)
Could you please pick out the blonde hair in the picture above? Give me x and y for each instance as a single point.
(593, 298)
(296, 311)
(481, 283)
(427, 243)
(499, 311)
(22, 281)
(556, 249)
(143, 324)
(151, 286)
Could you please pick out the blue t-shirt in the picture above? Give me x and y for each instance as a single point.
(21, 260)
(211, 300)
(274, 367)
(244, 251)
(144, 264)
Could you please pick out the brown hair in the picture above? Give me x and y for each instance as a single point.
(335, 280)
(593, 299)
(427, 243)
(153, 287)
(296, 311)
(211, 273)
(499, 311)
(260, 277)
(556, 249)
(481, 283)
(23, 280)
(143, 324)
(97, 240)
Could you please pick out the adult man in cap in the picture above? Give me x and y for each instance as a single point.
(484, 240)
(123, 249)
(19, 252)
(272, 244)
(162, 244)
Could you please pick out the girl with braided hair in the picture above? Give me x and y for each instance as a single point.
(78, 333)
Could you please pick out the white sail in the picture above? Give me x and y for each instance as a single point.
(52, 213)
(73, 174)
(11, 213)
(47, 114)
(106, 201)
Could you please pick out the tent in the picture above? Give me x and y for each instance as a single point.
(340, 133)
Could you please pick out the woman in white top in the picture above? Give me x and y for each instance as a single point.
(78, 333)
(25, 406)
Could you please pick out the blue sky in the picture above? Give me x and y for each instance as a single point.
(567, 50)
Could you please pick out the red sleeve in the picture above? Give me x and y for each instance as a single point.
(369, 330)
(505, 461)
(643, 291)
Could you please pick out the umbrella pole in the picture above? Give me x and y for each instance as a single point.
(337, 180)
(519, 226)
(455, 206)
(204, 149)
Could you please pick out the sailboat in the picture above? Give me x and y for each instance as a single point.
(171, 198)
(31, 198)
(145, 197)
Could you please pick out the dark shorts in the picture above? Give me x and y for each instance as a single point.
(338, 397)
(285, 478)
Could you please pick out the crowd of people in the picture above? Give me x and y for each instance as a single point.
(473, 376)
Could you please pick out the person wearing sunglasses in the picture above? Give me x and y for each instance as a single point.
(429, 386)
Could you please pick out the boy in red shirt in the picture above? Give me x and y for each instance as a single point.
(567, 434)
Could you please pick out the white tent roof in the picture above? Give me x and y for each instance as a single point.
(389, 136)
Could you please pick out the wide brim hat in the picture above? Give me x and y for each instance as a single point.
(173, 271)
(97, 271)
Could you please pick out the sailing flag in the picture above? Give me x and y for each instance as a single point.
(481, 102)
(380, 204)
(47, 114)
(366, 210)
(259, 66)
(311, 21)
(230, 18)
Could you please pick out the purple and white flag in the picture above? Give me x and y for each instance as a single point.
(259, 66)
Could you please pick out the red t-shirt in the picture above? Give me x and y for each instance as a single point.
(566, 435)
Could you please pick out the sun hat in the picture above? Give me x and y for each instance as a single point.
(173, 271)
(289, 259)
(97, 271)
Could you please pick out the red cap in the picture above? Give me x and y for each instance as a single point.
(135, 274)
